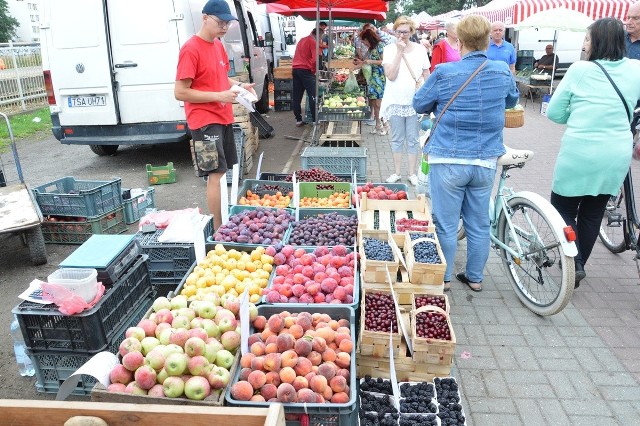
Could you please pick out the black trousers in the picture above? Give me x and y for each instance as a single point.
(584, 214)
(303, 80)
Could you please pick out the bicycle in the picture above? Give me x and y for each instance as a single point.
(535, 244)
(620, 220)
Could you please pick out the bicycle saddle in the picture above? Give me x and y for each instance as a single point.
(515, 156)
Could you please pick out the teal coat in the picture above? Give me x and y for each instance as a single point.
(595, 153)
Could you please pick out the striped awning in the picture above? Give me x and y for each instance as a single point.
(514, 11)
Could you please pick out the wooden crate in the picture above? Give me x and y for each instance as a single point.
(240, 113)
(382, 214)
(374, 343)
(25, 412)
(342, 134)
(424, 273)
(285, 62)
(447, 308)
(436, 352)
(402, 288)
(283, 73)
(376, 270)
(341, 63)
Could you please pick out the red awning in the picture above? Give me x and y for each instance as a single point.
(336, 13)
(366, 5)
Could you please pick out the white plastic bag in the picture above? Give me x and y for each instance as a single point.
(181, 228)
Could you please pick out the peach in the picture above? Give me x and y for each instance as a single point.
(327, 370)
(304, 321)
(287, 375)
(303, 347)
(300, 383)
(334, 325)
(346, 346)
(343, 360)
(318, 383)
(329, 355)
(286, 393)
(257, 379)
(257, 398)
(244, 373)
(257, 363)
(345, 330)
(327, 394)
(344, 323)
(303, 367)
(271, 348)
(242, 391)
(273, 378)
(338, 384)
(320, 399)
(344, 372)
(296, 331)
(319, 344)
(289, 358)
(260, 322)
(333, 346)
(306, 395)
(255, 337)
(340, 337)
(326, 333)
(289, 321)
(284, 314)
(272, 361)
(245, 361)
(271, 339)
(315, 358)
(340, 398)
(285, 342)
(258, 348)
(309, 376)
(269, 391)
(266, 333)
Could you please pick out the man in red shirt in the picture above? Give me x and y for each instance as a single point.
(202, 83)
(304, 75)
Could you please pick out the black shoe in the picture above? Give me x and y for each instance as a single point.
(463, 279)
(580, 274)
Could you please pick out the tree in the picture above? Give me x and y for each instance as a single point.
(8, 25)
(436, 7)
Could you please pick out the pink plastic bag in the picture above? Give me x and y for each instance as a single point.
(67, 301)
(163, 218)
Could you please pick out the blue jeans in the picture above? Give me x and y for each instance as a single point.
(404, 129)
(458, 189)
(303, 80)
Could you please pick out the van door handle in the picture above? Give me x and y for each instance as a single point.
(127, 65)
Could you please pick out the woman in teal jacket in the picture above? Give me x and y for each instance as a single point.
(595, 153)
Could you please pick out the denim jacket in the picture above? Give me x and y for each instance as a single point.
(472, 125)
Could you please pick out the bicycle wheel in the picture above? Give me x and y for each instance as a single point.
(461, 232)
(543, 276)
(613, 229)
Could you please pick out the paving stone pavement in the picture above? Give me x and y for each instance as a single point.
(578, 367)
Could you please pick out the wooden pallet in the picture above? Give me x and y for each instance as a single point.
(342, 134)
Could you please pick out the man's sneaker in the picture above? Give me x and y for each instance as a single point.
(393, 178)
(369, 122)
(414, 180)
(300, 123)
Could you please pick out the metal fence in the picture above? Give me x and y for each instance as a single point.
(21, 80)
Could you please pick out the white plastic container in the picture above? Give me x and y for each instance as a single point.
(83, 282)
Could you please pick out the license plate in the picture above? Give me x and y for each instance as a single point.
(86, 101)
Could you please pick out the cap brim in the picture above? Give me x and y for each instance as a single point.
(226, 17)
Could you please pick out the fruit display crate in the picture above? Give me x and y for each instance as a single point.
(168, 262)
(431, 275)
(74, 232)
(377, 343)
(376, 270)
(402, 288)
(343, 161)
(44, 327)
(158, 175)
(323, 190)
(69, 196)
(447, 306)
(280, 177)
(437, 354)
(344, 114)
(320, 414)
(239, 138)
(395, 188)
(135, 206)
(265, 187)
(304, 214)
(383, 214)
(53, 367)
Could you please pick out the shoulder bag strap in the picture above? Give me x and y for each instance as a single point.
(626, 107)
(455, 95)
(404, 58)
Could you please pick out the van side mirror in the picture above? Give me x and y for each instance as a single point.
(268, 38)
(289, 40)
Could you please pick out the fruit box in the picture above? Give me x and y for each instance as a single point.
(262, 188)
(320, 414)
(376, 343)
(383, 214)
(435, 352)
(304, 214)
(376, 270)
(324, 190)
(429, 274)
(444, 297)
(21, 412)
(67, 231)
(402, 288)
(161, 174)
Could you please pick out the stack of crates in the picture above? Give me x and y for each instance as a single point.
(76, 209)
(241, 118)
(59, 344)
(239, 138)
(283, 94)
(168, 262)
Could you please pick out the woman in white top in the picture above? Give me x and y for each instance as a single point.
(406, 66)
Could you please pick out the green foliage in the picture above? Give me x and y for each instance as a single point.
(8, 24)
(433, 7)
(23, 126)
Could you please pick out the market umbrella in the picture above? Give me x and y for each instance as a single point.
(558, 19)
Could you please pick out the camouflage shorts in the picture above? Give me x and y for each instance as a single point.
(213, 149)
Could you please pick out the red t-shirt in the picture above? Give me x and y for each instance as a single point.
(207, 65)
(305, 56)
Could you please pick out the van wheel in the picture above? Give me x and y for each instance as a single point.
(104, 149)
(263, 103)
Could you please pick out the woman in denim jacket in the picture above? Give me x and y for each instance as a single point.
(466, 144)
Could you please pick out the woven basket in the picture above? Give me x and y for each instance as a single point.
(514, 118)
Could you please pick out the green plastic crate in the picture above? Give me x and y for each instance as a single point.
(73, 232)
(161, 174)
(322, 190)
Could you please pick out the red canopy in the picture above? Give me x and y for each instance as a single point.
(336, 12)
(367, 5)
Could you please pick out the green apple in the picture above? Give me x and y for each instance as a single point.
(173, 387)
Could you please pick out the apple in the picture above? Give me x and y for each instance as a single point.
(145, 377)
(133, 360)
(211, 328)
(161, 376)
(155, 359)
(195, 346)
(164, 315)
(178, 302)
(173, 387)
(223, 313)
(136, 332)
(120, 374)
(212, 297)
(149, 326)
(181, 321)
(180, 337)
(232, 304)
(161, 303)
(212, 346)
(224, 358)
(175, 364)
(198, 332)
(230, 340)
(219, 377)
(172, 348)
(227, 324)
(198, 365)
(165, 335)
(207, 309)
(130, 344)
(253, 312)
(197, 388)
(157, 390)
(135, 389)
(160, 328)
(187, 312)
(148, 344)
(196, 323)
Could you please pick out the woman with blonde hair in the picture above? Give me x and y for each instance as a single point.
(466, 143)
(406, 65)
(446, 50)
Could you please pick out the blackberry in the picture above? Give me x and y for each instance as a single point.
(376, 385)
(381, 405)
(422, 390)
(417, 405)
(418, 420)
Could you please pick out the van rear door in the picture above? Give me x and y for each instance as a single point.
(73, 35)
(145, 48)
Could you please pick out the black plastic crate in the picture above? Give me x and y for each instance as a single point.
(282, 95)
(44, 327)
(282, 105)
(283, 84)
(164, 287)
(265, 130)
(52, 368)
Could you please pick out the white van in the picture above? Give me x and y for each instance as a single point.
(273, 28)
(568, 43)
(110, 67)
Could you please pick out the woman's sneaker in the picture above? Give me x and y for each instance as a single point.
(393, 178)
(414, 180)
